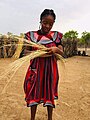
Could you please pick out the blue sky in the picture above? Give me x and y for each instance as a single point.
(20, 16)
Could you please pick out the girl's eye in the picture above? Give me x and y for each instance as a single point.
(45, 23)
(51, 24)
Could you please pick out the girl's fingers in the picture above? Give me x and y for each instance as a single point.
(48, 49)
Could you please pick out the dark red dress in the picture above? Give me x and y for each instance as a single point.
(41, 81)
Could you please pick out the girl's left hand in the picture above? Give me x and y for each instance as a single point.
(53, 50)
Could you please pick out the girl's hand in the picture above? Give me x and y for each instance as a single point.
(51, 50)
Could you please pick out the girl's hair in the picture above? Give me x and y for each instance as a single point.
(47, 12)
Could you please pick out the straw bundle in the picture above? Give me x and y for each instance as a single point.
(19, 49)
(23, 41)
(14, 66)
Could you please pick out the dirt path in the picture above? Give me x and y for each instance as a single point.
(74, 93)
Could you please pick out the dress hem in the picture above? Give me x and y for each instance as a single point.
(47, 103)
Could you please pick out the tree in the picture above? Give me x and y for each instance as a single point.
(70, 43)
(85, 38)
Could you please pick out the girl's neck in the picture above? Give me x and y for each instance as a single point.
(43, 33)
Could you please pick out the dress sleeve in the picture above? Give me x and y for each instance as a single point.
(58, 40)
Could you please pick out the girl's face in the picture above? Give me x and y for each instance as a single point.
(47, 23)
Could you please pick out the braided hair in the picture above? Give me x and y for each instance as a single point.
(47, 12)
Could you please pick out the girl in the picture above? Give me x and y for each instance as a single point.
(41, 81)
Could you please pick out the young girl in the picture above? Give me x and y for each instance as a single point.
(41, 81)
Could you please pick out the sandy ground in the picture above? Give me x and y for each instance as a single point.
(74, 92)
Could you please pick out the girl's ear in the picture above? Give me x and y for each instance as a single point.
(40, 25)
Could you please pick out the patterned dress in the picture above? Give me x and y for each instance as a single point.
(41, 81)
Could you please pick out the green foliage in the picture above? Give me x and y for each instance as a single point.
(85, 38)
(71, 35)
(69, 42)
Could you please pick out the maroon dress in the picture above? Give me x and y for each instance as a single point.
(41, 81)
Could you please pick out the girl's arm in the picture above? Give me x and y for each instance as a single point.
(59, 50)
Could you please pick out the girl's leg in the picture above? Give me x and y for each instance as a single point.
(33, 112)
(50, 111)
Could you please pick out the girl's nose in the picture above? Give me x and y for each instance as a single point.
(47, 25)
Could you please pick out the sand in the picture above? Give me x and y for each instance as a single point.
(74, 92)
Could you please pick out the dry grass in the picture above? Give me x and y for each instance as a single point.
(14, 66)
